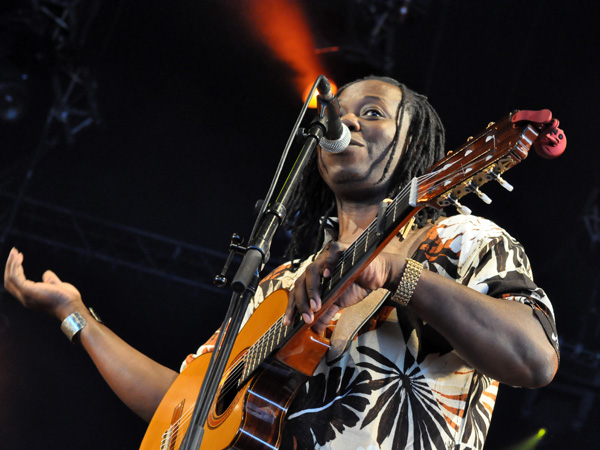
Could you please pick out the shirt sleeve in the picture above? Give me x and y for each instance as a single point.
(500, 268)
(481, 255)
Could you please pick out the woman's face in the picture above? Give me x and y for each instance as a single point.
(369, 109)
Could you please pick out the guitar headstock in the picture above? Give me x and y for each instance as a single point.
(484, 158)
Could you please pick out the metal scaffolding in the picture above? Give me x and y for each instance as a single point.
(61, 26)
(115, 244)
(368, 29)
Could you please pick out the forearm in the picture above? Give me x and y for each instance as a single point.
(138, 381)
(499, 338)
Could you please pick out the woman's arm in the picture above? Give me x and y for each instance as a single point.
(500, 338)
(139, 381)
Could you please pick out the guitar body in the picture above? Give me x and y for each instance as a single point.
(249, 417)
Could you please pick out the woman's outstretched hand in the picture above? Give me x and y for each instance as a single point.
(51, 295)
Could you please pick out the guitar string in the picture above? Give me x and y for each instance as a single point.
(175, 426)
(363, 238)
(234, 374)
(231, 379)
(234, 377)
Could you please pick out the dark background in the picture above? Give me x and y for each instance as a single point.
(193, 111)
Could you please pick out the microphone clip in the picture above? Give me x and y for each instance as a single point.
(235, 247)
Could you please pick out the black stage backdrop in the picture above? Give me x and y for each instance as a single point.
(194, 116)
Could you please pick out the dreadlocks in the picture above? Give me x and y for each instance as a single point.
(313, 202)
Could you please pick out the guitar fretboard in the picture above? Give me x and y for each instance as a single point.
(371, 238)
(262, 348)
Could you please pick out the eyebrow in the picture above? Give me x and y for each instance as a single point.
(370, 97)
(376, 98)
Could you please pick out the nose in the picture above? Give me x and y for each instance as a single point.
(351, 121)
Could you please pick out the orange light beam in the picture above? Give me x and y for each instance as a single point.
(282, 26)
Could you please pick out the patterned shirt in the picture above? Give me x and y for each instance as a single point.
(401, 385)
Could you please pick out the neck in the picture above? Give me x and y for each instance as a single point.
(354, 217)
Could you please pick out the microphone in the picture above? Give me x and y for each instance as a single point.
(337, 137)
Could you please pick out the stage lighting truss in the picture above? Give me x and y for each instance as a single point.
(75, 105)
(56, 30)
(62, 27)
(74, 88)
(365, 30)
(117, 245)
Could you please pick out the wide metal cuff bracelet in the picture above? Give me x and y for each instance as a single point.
(73, 325)
(408, 283)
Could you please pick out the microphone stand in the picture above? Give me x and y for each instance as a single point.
(246, 279)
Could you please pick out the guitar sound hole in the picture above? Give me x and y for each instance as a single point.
(226, 394)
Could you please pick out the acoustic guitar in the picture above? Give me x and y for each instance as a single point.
(269, 361)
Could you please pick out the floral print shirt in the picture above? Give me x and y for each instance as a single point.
(401, 385)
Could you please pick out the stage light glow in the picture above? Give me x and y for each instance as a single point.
(282, 26)
(531, 442)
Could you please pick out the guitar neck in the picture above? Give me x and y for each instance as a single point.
(392, 216)
(351, 261)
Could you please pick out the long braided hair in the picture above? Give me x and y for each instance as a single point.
(313, 202)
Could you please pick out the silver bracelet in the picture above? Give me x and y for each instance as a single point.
(73, 325)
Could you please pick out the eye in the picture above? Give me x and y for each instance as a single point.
(372, 112)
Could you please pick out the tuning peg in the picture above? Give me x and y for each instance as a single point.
(460, 208)
(505, 184)
(484, 198)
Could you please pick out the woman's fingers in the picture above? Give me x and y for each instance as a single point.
(49, 296)
(324, 320)
(50, 277)
(14, 276)
(305, 297)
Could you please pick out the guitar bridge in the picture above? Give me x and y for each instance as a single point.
(169, 437)
(166, 440)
